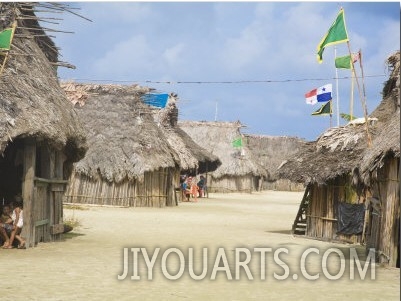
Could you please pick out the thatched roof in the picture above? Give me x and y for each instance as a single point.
(342, 150)
(387, 142)
(32, 104)
(217, 137)
(124, 141)
(271, 151)
(191, 155)
(336, 152)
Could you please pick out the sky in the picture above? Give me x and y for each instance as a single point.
(229, 61)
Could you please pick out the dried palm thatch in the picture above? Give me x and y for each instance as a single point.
(32, 104)
(193, 158)
(271, 151)
(124, 140)
(336, 152)
(386, 143)
(217, 137)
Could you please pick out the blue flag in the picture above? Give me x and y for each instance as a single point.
(156, 100)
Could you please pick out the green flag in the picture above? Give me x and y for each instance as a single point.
(344, 62)
(237, 142)
(324, 110)
(337, 34)
(5, 38)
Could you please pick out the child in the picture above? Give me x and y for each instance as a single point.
(18, 222)
(6, 225)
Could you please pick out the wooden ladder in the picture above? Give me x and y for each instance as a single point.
(299, 226)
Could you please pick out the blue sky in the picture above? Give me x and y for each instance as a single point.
(262, 54)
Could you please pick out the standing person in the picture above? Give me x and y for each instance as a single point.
(201, 185)
(18, 222)
(183, 186)
(194, 189)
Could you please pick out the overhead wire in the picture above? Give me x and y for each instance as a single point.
(213, 82)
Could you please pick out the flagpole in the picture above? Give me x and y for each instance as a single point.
(352, 95)
(337, 96)
(363, 99)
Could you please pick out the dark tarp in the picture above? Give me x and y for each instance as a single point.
(350, 218)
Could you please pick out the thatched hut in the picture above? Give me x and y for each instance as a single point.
(238, 171)
(40, 134)
(327, 168)
(333, 207)
(132, 160)
(380, 170)
(270, 152)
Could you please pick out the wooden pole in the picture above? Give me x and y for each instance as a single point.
(363, 100)
(364, 97)
(352, 96)
(28, 192)
(337, 96)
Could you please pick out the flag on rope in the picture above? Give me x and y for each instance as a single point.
(320, 94)
(6, 37)
(237, 142)
(156, 100)
(344, 62)
(337, 34)
(324, 110)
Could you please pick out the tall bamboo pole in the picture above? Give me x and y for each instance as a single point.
(363, 99)
(337, 96)
(352, 96)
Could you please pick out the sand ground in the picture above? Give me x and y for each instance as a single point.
(86, 263)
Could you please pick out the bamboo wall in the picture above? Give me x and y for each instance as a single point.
(228, 184)
(384, 218)
(322, 210)
(156, 190)
(283, 185)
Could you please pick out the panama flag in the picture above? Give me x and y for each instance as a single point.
(321, 94)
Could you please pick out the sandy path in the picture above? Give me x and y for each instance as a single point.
(85, 265)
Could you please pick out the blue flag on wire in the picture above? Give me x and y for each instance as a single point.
(156, 100)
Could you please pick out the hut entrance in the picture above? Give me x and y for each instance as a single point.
(11, 171)
(34, 170)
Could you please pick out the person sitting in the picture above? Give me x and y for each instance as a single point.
(18, 222)
(6, 225)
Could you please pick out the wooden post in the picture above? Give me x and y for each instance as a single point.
(363, 99)
(28, 191)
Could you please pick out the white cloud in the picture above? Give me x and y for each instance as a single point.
(128, 56)
(173, 56)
